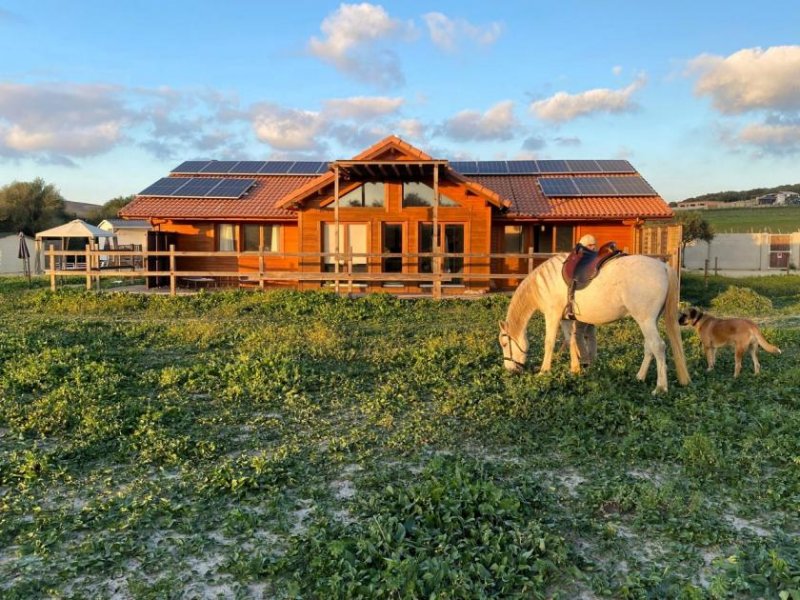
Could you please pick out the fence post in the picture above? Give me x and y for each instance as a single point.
(172, 278)
(349, 269)
(530, 259)
(261, 266)
(716, 266)
(88, 267)
(705, 274)
(51, 253)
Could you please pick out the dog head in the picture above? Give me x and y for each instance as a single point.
(690, 317)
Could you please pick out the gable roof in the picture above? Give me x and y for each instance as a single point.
(520, 196)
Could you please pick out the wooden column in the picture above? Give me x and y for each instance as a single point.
(336, 223)
(261, 256)
(437, 265)
(172, 286)
(89, 266)
(51, 253)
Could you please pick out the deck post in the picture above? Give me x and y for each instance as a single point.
(437, 265)
(88, 266)
(336, 224)
(172, 278)
(530, 259)
(51, 253)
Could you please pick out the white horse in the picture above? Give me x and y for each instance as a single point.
(633, 285)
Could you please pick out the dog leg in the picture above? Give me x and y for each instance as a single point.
(738, 360)
(754, 355)
(710, 355)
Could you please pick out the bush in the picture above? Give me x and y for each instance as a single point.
(741, 301)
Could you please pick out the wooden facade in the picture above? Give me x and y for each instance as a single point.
(398, 205)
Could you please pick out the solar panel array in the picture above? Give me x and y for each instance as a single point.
(540, 167)
(198, 187)
(596, 186)
(252, 167)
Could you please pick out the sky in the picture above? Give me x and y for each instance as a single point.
(103, 98)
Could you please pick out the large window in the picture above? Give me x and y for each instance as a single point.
(392, 244)
(418, 193)
(369, 194)
(514, 240)
(251, 237)
(226, 237)
(352, 241)
(553, 238)
(452, 242)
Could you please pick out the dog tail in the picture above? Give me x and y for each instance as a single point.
(764, 343)
(671, 309)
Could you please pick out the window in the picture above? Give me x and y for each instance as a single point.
(226, 237)
(251, 237)
(418, 193)
(553, 238)
(369, 194)
(452, 242)
(514, 239)
(352, 240)
(392, 244)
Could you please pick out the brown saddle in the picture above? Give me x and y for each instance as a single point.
(582, 265)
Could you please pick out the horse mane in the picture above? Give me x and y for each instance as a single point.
(526, 300)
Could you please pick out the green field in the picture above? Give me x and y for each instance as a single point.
(304, 445)
(745, 220)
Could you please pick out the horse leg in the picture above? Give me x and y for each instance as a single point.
(648, 357)
(656, 347)
(551, 331)
(574, 353)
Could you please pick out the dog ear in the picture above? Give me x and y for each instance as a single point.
(503, 326)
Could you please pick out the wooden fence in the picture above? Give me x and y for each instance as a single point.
(95, 264)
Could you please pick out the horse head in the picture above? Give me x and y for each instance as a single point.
(515, 350)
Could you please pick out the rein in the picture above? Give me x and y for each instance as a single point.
(511, 358)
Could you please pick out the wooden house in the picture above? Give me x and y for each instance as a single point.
(383, 212)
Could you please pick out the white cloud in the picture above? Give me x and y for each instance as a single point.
(564, 107)
(351, 42)
(446, 32)
(616, 70)
(750, 79)
(772, 138)
(286, 128)
(361, 107)
(411, 128)
(497, 123)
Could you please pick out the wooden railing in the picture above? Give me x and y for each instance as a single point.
(95, 264)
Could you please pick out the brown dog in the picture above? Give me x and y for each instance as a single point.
(739, 333)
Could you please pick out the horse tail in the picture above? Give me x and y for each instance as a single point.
(673, 328)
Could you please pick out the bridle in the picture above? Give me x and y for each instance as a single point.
(520, 365)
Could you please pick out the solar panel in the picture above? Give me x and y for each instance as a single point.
(594, 186)
(584, 166)
(306, 167)
(276, 167)
(616, 166)
(522, 167)
(164, 186)
(230, 188)
(197, 187)
(632, 186)
(323, 167)
(492, 167)
(191, 166)
(465, 167)
(247, 167)
(219, 166)
(553, 166)
(562, 186)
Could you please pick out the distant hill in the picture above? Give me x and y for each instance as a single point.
(81, 210)
(744, 195)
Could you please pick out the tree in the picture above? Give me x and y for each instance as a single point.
(110, 209)
(695, 227)
(30, 206)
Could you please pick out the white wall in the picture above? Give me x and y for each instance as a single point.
(738, 252)
(9, 248)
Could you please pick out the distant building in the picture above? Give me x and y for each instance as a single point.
(698, 205)
(779, 199)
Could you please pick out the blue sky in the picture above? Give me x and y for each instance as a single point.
(101, 99)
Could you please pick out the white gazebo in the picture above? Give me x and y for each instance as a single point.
(69, 236)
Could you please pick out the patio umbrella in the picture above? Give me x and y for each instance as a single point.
(25, 255)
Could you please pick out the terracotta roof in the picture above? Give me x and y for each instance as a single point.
(259, 203)
(528, 201)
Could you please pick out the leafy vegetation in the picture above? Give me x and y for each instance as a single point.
(30, 206)
(306, 445)
(734, 196)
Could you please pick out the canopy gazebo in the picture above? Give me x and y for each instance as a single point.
(74, 235)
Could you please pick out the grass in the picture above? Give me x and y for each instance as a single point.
(780, 219)
(306, 445)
